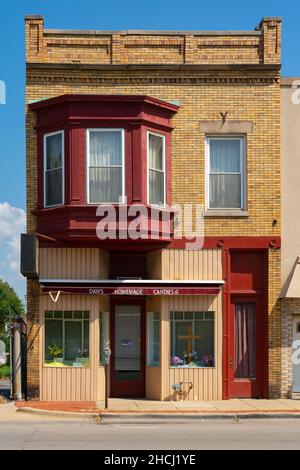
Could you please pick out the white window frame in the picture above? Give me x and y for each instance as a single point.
(242, 140)
(151, 363)
(154, 169)
(62, 163)
(103, 129)
(64, 320)
(172, 322)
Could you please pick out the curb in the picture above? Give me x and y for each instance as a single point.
(108, 418)
(60, 414)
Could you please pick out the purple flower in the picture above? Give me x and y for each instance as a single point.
(207, 360)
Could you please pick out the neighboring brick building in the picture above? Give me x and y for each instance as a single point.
(193, 118)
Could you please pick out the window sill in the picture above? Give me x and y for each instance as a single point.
(192, 367)
(226, 213)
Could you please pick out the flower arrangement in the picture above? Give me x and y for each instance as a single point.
(191, 360)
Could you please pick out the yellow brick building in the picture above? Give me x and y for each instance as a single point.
(201, 92)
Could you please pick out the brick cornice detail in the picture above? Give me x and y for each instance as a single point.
(35, 80)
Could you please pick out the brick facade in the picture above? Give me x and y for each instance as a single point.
(207, 73)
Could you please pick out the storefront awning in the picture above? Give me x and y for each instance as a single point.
(132, 287)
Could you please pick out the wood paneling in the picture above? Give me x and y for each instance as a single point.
(72, 383)
(73, 263)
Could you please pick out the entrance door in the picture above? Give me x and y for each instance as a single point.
(296, 366)
(128, 349)
(246, 359)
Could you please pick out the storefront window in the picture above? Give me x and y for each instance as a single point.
(192, 339)
(153, 339)
(104, 336)
(66, 338)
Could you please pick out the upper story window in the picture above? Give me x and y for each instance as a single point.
(54, 169)
(225, 173)
(156, 169)
(105, 156)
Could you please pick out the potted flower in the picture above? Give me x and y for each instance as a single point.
(56, 353)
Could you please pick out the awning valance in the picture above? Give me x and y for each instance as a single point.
(131, 287)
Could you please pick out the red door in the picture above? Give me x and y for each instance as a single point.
(246, 358)
(127, 371)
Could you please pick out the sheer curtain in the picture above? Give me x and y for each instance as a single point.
(245, 340)
(156, 170)
(105, 166)
(225, 173)
(53, 171)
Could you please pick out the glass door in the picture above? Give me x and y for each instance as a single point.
(128, 350)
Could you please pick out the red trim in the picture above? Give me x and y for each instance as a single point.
(237, 242)
(124, 388)
(74, 114)
(262, 294)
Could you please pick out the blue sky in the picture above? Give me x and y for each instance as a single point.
(97, 14)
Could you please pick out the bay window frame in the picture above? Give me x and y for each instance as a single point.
(45, 136)
(104, 129)
(154, 169)
(242, 172)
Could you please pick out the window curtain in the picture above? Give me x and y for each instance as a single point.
(156, 170)
(105, 166)
(53, 176)
(225, 174)
(245, 340)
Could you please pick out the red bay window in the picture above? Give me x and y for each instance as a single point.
(100, 149)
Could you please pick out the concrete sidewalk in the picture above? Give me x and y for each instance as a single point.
(144, 407)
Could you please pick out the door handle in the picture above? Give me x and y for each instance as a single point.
(231, 363)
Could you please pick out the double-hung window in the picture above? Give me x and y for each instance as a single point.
(105, 148)
(225, 173)
(156, 169)
(54, 169)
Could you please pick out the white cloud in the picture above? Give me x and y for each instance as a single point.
(12, 223)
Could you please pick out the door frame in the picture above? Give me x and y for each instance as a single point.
(246, 388)
(127, 386)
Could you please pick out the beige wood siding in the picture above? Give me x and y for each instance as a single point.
(207, 382)
(71, 383)
(191, 264)
(73, 263)
(185, 264)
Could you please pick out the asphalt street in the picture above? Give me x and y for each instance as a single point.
(29, 433)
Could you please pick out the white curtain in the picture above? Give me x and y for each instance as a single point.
(225, 174)
(156, 170)
(53, 174)
(105, 166)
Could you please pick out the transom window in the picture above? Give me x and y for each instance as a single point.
(156, 169)
(225, 172)
(66, 338)
(105, 149)
(54, 169)
(192, 339)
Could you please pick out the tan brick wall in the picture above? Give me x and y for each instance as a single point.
(33, 378)
(248, 93)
